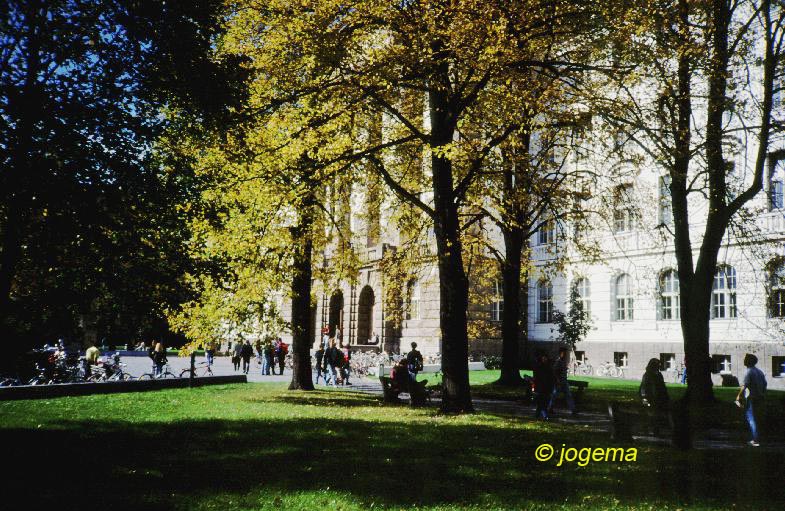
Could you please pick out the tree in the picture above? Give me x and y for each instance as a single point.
(575, 324)
(423, 66)
(725, 55)
(88, 234)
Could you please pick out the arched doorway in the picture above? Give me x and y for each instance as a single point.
(335, 319)
(365, 315)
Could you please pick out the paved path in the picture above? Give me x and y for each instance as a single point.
(222, 366)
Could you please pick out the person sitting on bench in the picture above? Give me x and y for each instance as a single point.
(402, 382)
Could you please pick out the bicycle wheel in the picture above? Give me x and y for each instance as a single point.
(587, 370)
(186, 373)
(613, 372)
(601, 371)
(146, 376)
(167, 374)
(121, 376)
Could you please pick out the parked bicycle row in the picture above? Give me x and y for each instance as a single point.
(54, 364)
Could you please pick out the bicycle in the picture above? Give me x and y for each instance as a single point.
(608, 369)
(582, 368)
(200, 369)
(674, 375)
(165, 373)
(110, 369)
(9, 381)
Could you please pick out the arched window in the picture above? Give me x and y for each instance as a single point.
(777, 292)
(497, 303)
(544, 302)
(669, 295)
(583, 288)
(624, 298)
(723, 295)
(412, 300)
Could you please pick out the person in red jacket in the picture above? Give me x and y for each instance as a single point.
(281, 352)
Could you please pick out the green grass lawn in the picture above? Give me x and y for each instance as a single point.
(259, 446)
(723, 414)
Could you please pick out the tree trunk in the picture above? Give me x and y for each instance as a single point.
(302, 336)
(694, 296)
(511, 278)
(453, 283)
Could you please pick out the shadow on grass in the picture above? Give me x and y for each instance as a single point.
(395, 463)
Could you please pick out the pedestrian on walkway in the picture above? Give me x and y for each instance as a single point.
(561, 384)
(267, 358)
(414, 362)
(209, 353)
(237, 355)
(283, 349)
(753, 389)
(543, 385)
(654, 395)
(331, 358)
(159, 359)
(319, 355)
(346, 364)
(246, 354)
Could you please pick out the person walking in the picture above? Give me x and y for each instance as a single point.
(237, 355)
(414, 362)
(331, 358)
(209, 353)
(561, 384)
(753, 389)
(346, 364)
(246, 353)
(543, 385)
(159, 359)
(319, 355)
(268, 352)
(283, 349)
(654, 395)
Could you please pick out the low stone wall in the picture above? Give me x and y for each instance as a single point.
(112, 387)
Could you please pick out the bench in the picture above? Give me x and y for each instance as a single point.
(418, 394)
(579, 386)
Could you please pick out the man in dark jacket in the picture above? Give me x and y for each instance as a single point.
(654, 395)
(543, 385)
(414, 361)
(332, 358)
(246, 353)
(319, 355)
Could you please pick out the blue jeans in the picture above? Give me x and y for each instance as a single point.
(266, 361)
(330, 377)
(749, 413)
(564, 388)
(209, 356)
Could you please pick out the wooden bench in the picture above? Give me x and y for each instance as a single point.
(418, 394)
(576, 387)
(579, 386)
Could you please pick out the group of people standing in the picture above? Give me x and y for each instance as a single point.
(333, 364)
(550, 379)
(269, 353)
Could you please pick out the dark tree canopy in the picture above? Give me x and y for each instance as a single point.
(90, 237)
